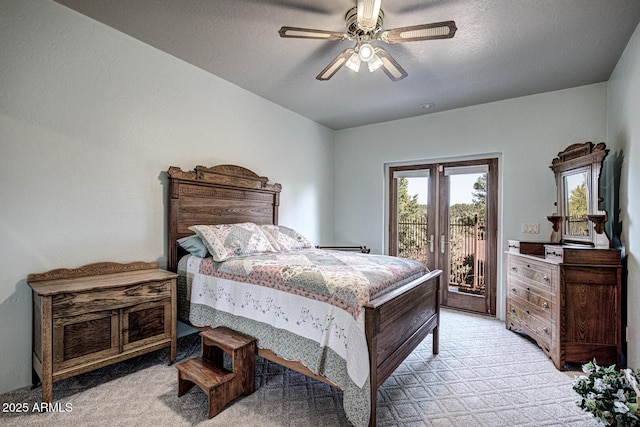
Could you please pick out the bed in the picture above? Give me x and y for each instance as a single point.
(394, 321)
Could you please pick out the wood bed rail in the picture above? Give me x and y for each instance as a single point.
(361, 249)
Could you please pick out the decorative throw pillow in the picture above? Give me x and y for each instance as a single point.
(285, 238)
(194, 245)
(226, 241)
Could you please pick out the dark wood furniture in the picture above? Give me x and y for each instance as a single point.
(567, 293)
(579, 218)
(568, 301)
(97, 315)
(207, 372)
(361, 249)
(395, 323)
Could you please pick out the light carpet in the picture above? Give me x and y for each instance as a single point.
(484, 376)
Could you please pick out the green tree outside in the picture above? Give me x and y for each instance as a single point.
(578, 211)
(412, 224)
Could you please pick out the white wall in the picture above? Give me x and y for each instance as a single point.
(623, 134)
(528, 132)
(90, 120)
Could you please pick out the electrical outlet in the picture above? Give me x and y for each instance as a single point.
(531, 228)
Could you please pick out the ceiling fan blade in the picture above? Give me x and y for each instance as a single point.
(390, 66)
(335, 65)
(309, 33)
(368, 11)
(438, 30)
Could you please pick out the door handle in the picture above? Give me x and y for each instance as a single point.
(431, 243)
(442, 242)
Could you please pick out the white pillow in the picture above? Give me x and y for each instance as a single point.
(285, 238)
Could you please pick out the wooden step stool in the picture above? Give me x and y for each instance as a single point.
(220, 385)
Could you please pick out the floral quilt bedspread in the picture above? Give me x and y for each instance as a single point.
(305, 305)
(346, 280)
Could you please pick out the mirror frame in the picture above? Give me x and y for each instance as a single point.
(577, 158)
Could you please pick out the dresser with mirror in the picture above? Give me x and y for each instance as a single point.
(565, 293)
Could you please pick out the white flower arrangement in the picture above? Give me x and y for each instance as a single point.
(609, 394)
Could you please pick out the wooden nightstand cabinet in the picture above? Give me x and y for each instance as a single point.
(97, 315)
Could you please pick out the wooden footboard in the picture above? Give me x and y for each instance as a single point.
(396, 323)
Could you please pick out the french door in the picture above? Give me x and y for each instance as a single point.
(445, 215)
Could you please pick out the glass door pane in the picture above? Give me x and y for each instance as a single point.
(467, 209)
(411, 225)
(463, 243)
(412, 218)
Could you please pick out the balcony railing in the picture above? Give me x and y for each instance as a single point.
(466, 250)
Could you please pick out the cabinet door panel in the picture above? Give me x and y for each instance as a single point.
(591, 318)
(146, 323)
(85, 338)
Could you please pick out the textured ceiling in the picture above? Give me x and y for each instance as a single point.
(502, 49)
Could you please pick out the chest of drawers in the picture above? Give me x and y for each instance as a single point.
(99, 314)
(568, 301)
(532, 301)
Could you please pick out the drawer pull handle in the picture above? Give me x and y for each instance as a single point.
(545, 305)
(513, 289)
(528, 312)
(514, 268)
(513, 310)
(545, 330)
(546, 279)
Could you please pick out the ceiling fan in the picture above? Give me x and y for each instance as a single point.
(364, 25)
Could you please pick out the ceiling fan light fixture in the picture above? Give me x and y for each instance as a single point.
(354, 62)
(366, 52)
(374, 63)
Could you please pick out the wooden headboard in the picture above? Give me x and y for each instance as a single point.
(223, 194)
